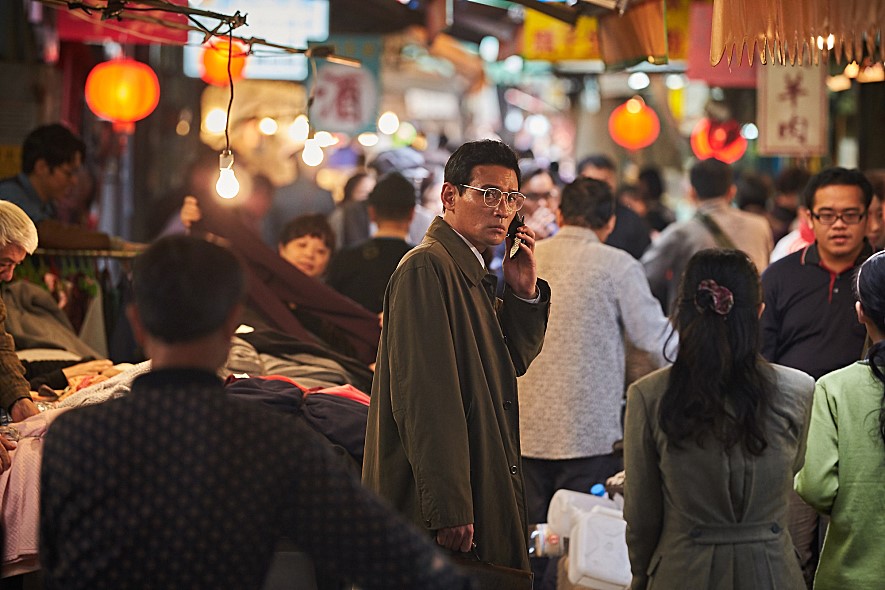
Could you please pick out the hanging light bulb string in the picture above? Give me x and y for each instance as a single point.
(227, 185)
(230, 85)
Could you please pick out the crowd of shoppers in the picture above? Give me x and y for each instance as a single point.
(508, 336)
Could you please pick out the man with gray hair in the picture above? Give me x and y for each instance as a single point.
(18, 238)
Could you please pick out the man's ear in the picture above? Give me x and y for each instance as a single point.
(41, 167)
(449, 194)
(373, 217)
(732, 192)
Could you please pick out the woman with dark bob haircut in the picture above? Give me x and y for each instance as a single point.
(843, 475)
(712, 443)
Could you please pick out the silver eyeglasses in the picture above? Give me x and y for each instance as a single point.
(492, 197)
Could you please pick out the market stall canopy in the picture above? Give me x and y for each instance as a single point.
(797, 32)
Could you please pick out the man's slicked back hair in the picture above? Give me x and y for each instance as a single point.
(485, 152)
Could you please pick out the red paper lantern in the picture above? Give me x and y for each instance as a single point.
(215, 54)
(634, 125)
(122, 91)
(720, 140)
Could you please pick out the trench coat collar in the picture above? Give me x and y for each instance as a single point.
(463, 256)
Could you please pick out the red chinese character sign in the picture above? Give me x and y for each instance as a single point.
(346, 99)
(792, 106)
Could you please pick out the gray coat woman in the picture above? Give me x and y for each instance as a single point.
(712, 444)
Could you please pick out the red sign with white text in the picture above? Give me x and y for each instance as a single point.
(76, 25)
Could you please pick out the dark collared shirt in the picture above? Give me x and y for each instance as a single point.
(809, 322)
(179, 486)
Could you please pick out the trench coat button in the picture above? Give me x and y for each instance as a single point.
(427, 522)
(775, 528)
(513, 469)
(507, 404)
(694, 534)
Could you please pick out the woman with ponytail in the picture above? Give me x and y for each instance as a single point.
(712, 443)
(844, 472)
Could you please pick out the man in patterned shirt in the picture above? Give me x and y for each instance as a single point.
(179, 486)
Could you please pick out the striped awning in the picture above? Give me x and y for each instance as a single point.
(798, 31)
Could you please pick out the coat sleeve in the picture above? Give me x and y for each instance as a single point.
(645, 324)
(12, 374)
(524, 326)
(818, 481)
(426, 397)
(643, 498)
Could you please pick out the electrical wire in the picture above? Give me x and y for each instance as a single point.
(230, 82)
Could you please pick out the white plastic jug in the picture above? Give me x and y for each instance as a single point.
(567, 506)
(597, 556)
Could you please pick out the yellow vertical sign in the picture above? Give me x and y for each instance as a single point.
(546, 38)
(10, 160)
(677, 29)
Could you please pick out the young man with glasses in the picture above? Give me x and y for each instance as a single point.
(809, 322)
(442, 443)
(51, 160)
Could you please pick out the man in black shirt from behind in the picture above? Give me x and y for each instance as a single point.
(362, 272)
(178, 485)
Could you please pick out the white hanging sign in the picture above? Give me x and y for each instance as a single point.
(792, 110)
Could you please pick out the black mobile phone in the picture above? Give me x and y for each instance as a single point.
(517, 223)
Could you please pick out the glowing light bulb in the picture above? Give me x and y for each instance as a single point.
(227, 186)
(634, 105)
(638, 80)
(325, 139)
(367, 139)
(216, 119)
(299, 129)
(312, 153)
(388, 123)
(268, 126)
(750, 131)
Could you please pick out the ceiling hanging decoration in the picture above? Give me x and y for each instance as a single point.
(215, 61)
(122, 91)
(634, 125)
(797, 32)
(720, 140)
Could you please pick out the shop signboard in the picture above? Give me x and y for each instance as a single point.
(346, 99)
(792, 110)
(76, 24)
(546, 38)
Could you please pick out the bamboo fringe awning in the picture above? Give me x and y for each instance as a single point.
(792, 31)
